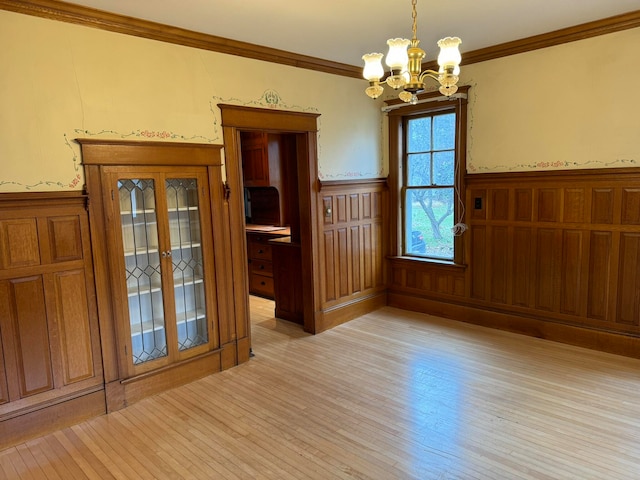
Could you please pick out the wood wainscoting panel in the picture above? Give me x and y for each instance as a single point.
(523, 204)
(629, 280)
(548, 204)
(574, 205)
(631, 206)
(602, 205)
(571, 291)
(558, 247)
(479, 259)
(65, 238)
(499, 245)
(599, 275)
(19, 243)
(28, 335)
(73, 326)
(521, 273)
(50, 359)
(354, 248)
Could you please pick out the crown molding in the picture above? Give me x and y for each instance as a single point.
(613, 24)
(80, 15)
(90, 17)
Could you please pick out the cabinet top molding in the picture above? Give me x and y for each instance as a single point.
(124, 152)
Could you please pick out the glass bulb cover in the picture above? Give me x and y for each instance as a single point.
(396, 81)
(449, 55)
(405, 96)
(397, 58)
(374, 91)
(447, 91)
(373, 70)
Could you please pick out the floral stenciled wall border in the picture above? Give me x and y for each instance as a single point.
(269, 99)
(557, 165)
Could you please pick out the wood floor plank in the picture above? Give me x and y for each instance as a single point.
(391, 395)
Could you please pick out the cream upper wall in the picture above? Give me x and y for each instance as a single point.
(61, 81)
(570, 106)
(542, 110)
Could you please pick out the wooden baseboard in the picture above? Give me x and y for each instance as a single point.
(126, 392)
(19, 429)
(615, 343)
(344, 312)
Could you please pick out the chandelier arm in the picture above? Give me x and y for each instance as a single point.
(429, 73)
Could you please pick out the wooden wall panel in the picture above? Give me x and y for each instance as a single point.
(631, 206)
(30, 335)
(574, 205)
(628, 306)
(547, 268)
(368, 258)
(342, 261)
(599, 277)
(19, 243)
(478, 201)
(354, 207)
(4, 388)
(478, 262)
(548, 204)
(565, 251)
(73, 326)
(499, 264)
(329, 266)
(521, 277)
(571, 274)
(65, 238)
(356, 259)
(523, 204)
(499, 204)
(355, 242)
(602, 205)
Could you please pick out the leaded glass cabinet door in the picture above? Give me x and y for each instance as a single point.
(187, 262)
(164, 242)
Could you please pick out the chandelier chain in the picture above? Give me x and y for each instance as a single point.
(414, 16)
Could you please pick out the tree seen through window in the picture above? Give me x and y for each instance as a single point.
(429, 205)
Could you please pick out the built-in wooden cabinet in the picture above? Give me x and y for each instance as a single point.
(158, 220)
(50, 359)
(164, 278)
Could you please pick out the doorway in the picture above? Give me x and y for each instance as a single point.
(301, 131)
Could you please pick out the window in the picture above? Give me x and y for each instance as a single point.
(427, 167)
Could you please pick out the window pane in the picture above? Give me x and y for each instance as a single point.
(419, 135)
(444, 131)
(429, 221)
(443, 168)
(419, 169)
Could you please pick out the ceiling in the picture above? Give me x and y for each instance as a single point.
(343, 30)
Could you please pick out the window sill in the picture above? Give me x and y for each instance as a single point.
(427, 262)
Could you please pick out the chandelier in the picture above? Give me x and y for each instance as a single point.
(404, 60)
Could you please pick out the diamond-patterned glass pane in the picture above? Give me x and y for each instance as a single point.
(142, 267)
(188, 269)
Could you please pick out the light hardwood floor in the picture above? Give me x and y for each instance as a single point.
(391, 395)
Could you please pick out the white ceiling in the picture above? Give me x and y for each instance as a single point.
(343, 30)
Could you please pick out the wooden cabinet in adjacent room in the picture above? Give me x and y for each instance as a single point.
(260, 261)
(287, 279)
(50, 360)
